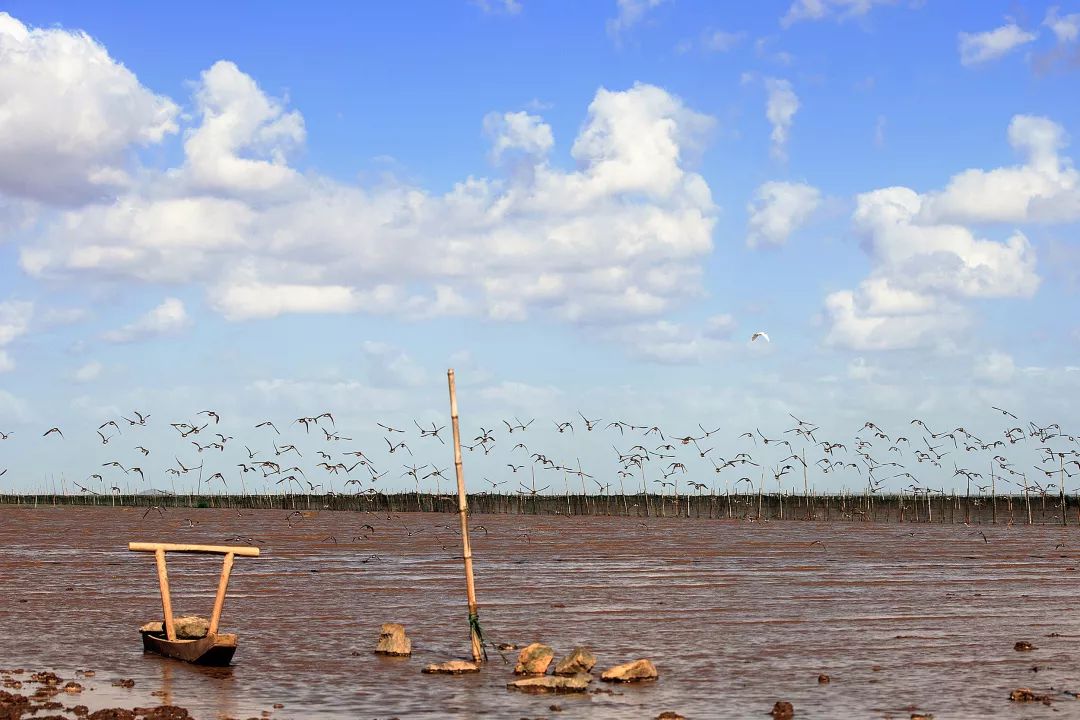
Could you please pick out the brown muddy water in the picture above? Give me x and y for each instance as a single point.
(735, 615)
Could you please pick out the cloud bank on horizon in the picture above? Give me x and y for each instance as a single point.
(685, 187)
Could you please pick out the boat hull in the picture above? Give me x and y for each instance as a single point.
(216, 650)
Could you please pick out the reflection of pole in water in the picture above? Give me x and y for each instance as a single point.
(166, 682)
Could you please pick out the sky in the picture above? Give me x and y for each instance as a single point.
(273, 211)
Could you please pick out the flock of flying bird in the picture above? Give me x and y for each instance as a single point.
(310, 455)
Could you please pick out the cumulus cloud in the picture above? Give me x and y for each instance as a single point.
(168, 317)
(803, 10)
(857, 326)
(779, 209)
(780, 109)
(243, 140)
(518, 131)
(6, 363)
(620, 236)
(74, 114)
(926, 262)
(1045, 188)
(976, 48)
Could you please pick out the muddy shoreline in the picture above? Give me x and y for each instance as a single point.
(737, 616)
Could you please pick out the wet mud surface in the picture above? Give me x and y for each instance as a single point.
(903, 619)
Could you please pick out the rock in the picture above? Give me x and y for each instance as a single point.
(782, 710)
(534, 659)
(393, 641)
(552, 684)
(922, 716)
(670, 715)
(452, 667)
(580, 660)
(73, 688)
(506, 646)
(1023, 646)
(188, 627)
(191, 627)
(1026, 695)
(631, 672)
(823, 679)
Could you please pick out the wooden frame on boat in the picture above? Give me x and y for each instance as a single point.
(214, 649)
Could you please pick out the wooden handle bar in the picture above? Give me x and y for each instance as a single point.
(174, 547)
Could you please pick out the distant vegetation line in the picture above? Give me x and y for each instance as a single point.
(956, 509)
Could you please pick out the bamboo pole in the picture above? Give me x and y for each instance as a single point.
(219, 600)
(1061, 487)
(463, 512)
(993, 494)
(166, 600)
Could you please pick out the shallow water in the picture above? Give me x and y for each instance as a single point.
(735, 615)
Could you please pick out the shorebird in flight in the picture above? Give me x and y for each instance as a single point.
(760, 334)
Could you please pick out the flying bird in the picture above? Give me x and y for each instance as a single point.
(760, 334)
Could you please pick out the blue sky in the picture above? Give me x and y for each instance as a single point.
(276, 210)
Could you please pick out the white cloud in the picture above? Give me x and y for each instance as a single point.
(620, 236)
(673, 343)
(630, 13)
(244, 138)
(73, 115)
(168, 317)
(943, 259)
(1046, 188)
(857, 327)
(926, 263)
(779, 209)
(1066, 28)
(780, 109)
(995, 367)
(518, 131)
(976, 48)
(801, 10)
(88, 372)
(14, 319)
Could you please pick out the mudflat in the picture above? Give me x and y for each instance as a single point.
(736, 616)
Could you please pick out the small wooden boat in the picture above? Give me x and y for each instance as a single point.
(214, 649)
(160, 637)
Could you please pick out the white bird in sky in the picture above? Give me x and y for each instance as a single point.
(760, 334)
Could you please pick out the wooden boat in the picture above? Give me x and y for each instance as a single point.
(160, 637)
(214, 649)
